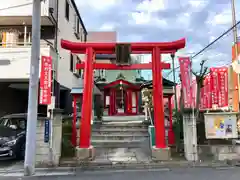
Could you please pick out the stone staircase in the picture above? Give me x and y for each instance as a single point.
(120, 132)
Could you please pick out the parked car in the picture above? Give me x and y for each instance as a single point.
(13, 135)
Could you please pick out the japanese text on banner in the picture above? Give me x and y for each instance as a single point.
(185, 70)
(223, 87)
(45, 80)
(214, 86)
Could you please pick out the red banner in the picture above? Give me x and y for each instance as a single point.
(219, 86)
(194, 92)
(214, 86)
(206, 93)
(45, 80)
(207, 84)
(185, 71)
(223, 87)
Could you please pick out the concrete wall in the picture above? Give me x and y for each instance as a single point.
(19, 58)
(49, 153)
(219, 152)
(102, 36)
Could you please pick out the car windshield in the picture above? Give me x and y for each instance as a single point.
(14, 123)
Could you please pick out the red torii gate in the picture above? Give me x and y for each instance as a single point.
(156, 49)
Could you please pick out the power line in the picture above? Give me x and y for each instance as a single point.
(222, 35)
(210, 44)
(12, 7)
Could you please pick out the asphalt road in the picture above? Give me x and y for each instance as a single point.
(175, 174)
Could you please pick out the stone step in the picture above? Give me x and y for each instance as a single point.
(117, 143)
(127, 137)
(123, 129)
(117, 133)
(123, 118)
(119, 127)
(113, 124)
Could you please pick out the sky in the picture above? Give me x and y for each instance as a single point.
(199, 21)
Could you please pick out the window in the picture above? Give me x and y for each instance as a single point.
(71, 62)
(14, 123)
(79, 70)
(77, 28)
(67, 10)
(85, 37)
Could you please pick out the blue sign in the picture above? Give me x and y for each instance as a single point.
(47, 131)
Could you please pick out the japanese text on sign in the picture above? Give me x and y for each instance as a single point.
(46, 80)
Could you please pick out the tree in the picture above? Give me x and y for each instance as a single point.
(200, 76)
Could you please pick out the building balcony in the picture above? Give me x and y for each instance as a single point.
(20, 12)
(15, 60)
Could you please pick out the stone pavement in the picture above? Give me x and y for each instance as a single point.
(143, 174)
(71, 168)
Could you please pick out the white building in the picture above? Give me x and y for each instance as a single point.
(59, 16)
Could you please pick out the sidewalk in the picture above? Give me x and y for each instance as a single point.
(71, 167)
(40, 172)
(96, 165)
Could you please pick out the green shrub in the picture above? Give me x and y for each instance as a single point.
(68, 150)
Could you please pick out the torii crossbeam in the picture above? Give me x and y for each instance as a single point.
(91, 49)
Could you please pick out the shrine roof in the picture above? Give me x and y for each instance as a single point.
(166, 82)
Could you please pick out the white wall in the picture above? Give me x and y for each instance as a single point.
(19, 58)
(23, 7)
(66, 31)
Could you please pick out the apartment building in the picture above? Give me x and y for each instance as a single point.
(60, 19)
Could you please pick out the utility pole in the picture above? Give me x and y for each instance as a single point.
(174, 80)
(29, 164)
(235, 40)
(176, 105)
(235, 34)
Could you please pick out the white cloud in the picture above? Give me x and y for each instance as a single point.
(108, 27)
(146, 18)
(151, 5)
(222, 18)
(141, 18)
(198, 4)
(100, 5)
(184, 21)
(132, 38)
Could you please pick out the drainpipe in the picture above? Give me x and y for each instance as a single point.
(25, 35)
(55, 89)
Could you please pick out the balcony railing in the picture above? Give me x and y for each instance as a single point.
(21, 44)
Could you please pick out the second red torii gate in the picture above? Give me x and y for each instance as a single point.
(156, 49)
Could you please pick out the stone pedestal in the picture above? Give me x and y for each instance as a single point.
(85, 153)
(49, 153)
(190, 136)
(161, 154)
